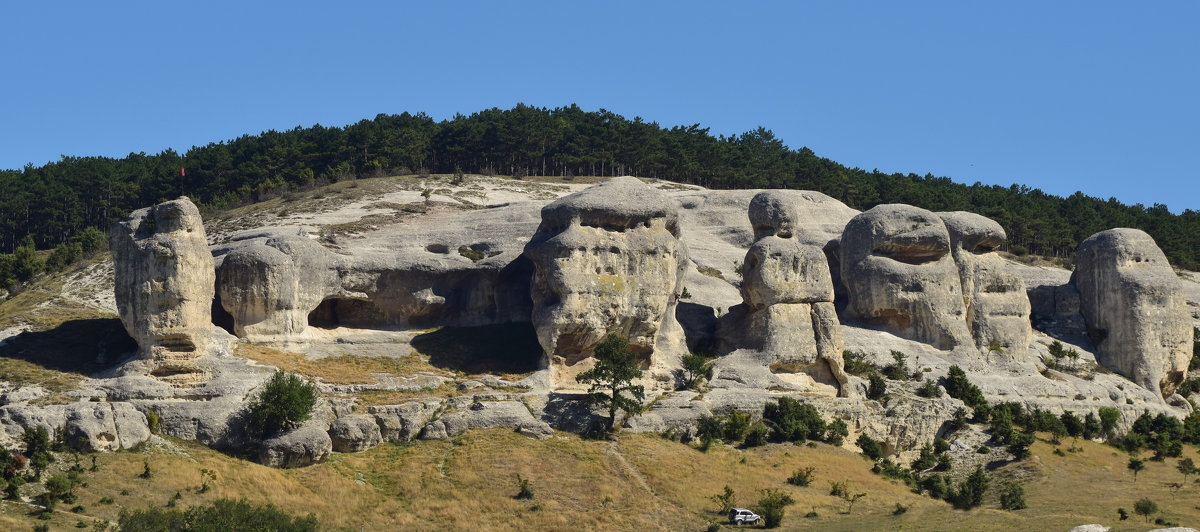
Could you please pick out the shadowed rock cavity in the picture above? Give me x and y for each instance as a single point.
(900, 276)
(164, 287)
(608, 260)
(275, 290)
(787, 321)
(997, 306)
(1134, 308)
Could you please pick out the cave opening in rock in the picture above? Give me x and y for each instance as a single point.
(344, 312)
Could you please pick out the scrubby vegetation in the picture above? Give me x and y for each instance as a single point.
(220, 516)
(285, 402)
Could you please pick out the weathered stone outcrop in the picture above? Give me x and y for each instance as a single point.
(354, 433)
(304, 446)
(470, 413)
(900, 276)
(787, 321)
(164, 287)
(996, 303)
(608, 260)
(270, 288)
(1134, 308)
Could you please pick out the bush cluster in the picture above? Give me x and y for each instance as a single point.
(219, 516)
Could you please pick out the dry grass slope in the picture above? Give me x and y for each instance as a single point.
(642, 482)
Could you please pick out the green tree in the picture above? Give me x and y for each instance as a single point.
(725, 499)
(695, 370)
(771, 507)
(877, 387)
(1136, 465)
(26, 263)
(1145, 508)
(284, 402)
(1108, 420)
(611, 379)
(792, 420)
(37, 449)
(57, 487)
(1186, 467)
(1013, 497)
(969, 493)
(958, 387)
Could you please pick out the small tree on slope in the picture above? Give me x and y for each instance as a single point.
(611, 380)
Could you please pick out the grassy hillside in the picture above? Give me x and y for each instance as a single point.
(642, 482)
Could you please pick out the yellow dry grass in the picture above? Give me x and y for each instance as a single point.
(641, 482)
(344, 369)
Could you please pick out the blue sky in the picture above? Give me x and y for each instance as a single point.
(1063, 96)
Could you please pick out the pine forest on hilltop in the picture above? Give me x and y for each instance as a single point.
(54, 205)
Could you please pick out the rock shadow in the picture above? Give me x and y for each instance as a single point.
(77, 346)
(699, 324)
(505, 348)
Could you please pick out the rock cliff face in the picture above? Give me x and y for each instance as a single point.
(164, 287)
(608, 260)
(900, 275)
(569, 264)
(1133, 305)
(996, 303)
(787, 321)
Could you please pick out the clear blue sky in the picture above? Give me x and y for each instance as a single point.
(1063, 96)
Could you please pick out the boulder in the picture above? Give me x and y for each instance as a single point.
(94, 427)
(788, 323)
(997, 305)
(608, 260)
(302, 447)
(404, 421)
(900, 276)
(270, 288)
(164, 287)
(1134, 308)
(354, 433)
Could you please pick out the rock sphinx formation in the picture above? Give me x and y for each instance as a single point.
(787, 321)
(608, 260)
(900, 275)
(164, 287)
(997, 307)
(1134, 308)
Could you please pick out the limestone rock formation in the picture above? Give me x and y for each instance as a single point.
(270, 288)
(304, 446)
(94, 427)
(470, 413)
(996, 303)
(164, 287)
(608, 260)
(900, 276)
(354, 433)
(1134, 308)
(787, 318)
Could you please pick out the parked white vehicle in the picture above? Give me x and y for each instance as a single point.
(742, 516)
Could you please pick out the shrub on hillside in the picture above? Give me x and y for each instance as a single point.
(220, 516)
(284, 402)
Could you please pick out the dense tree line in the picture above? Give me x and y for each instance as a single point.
(53, 202)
